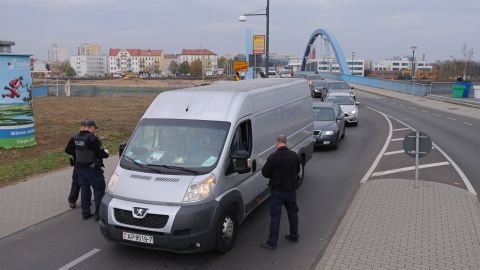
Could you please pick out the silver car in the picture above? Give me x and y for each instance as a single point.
(329, 124)
(347, 103)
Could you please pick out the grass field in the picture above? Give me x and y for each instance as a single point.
(57, 119)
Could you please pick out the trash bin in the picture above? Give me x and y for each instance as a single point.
(476, 91)
(458, 90)
(468, 86)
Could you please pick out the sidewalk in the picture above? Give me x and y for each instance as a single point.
(38, 199)
(392, 225)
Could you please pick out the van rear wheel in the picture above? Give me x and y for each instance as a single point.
(227, 227)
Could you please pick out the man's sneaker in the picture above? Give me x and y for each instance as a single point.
(291, 239)
(266, 245)
(87, 216)
(73, 205)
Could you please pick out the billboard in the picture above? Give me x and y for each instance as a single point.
(258, 44)
(16, 113)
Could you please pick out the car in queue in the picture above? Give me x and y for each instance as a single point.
(348, 105)
(329, 124)
(340, 86)
(318, 88)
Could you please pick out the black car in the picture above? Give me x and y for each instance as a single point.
(329, 124)
(318, 89)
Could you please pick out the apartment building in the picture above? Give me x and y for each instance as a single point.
(138, 61)
(208, 58)
(57, 54)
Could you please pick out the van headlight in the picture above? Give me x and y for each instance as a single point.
(200, 190)
(353, 112)
(112, 183)
(329, 132)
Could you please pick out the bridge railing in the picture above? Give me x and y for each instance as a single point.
(417, 89)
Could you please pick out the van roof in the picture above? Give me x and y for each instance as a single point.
(219, 100)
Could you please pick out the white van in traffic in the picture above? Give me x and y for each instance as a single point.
(191, 171)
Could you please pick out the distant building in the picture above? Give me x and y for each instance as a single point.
(401, 63)
(137, 61)
(330, 64)
(89, 65)
(208, 58)
(169, 58)
(89, 49)
(57, 54)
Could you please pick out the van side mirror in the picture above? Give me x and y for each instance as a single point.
(121, 148)
(357, 103)
(240, 161)
(352, 87)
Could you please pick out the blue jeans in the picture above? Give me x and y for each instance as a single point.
(91, 177)
(277, 199)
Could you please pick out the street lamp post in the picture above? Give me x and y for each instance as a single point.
(413, 62)
(353, 56)
(267, 34)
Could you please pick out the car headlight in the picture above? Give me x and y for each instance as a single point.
(329, 132)
(112, 183)
(353, 112)
(200, 190)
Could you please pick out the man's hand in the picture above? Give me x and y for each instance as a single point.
(106, 151)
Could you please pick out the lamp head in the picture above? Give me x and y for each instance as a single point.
(414, 48)
(242, 18)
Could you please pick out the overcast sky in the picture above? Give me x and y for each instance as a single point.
(374, 29)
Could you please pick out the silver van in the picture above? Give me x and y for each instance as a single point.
(191, 171)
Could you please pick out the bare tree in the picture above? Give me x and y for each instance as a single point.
(468, 56)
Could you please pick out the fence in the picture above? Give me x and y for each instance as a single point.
(99, 90)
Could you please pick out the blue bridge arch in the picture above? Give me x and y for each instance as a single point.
(335, 46)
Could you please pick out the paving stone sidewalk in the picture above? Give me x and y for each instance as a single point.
(392, 225)
(38, 199)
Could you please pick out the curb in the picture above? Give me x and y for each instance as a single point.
(471, 104)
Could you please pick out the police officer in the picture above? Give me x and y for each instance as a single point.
(75, 188)
(89, 155)
(282, 168)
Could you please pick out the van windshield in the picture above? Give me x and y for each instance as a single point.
(175, 146)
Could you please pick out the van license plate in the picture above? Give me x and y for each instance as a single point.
(138, 237)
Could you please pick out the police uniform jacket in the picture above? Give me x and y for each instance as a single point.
(89, 151)
(282, 167)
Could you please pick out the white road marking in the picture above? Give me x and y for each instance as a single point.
(398, 129)
(397, 152)
(397, 139)
(394, 152)
(80, 259)
(470, 124)
(452, 118)
(411, 168)
(377, 159)
(413, 108)
(424, 111)
(436, 114)
(455, 166)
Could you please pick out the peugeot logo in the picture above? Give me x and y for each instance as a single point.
(139, 212)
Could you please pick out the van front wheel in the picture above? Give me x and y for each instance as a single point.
(227, 226)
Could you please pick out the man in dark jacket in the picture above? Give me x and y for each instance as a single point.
(75, 189)
(89, 155)
(282, 168)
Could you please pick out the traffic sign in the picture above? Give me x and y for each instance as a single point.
(240, 65)
(410, 144)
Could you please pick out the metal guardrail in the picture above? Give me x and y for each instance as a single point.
(418, 89)
(405, 87)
